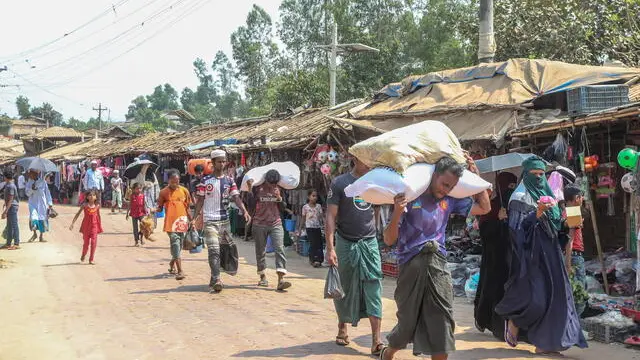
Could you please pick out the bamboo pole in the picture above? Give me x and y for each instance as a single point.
(598, 246)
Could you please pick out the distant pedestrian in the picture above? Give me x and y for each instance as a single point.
(175, 200)
(40, 203)
(116, 191)
(313, 219)
(11, 211)
(137, 212)
(93, 180)
(22, 182)
(91, 224)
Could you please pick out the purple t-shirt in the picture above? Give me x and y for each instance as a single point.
(426, 220)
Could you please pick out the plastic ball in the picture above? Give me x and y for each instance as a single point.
(332, 156)
(628, 158)
(628, 183)
(322, 156)
(325, 169)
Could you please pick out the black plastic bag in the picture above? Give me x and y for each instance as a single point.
(229, 258)
(333, 287)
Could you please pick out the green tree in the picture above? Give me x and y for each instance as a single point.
(24, 109)
(163, 98)
(46, 111)
(188, 99)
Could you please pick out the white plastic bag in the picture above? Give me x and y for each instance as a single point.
(379, 186)
(424, 142)
(332, 285)
(289, 175)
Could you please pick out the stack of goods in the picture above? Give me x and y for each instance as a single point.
(612, 326)
(389, 263)
(621, 273)
(402, 162)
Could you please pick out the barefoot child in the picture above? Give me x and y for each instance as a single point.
(137, 211)
(91, 224)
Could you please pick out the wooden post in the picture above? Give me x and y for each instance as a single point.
(598, 246)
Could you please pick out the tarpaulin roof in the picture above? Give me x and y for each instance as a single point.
(509, 83)
(488, 124)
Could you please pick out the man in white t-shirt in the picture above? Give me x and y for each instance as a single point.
(116, 191)
(213, 195)
(22, 183)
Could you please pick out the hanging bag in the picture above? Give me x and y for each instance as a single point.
(332, 286)
(229, 258)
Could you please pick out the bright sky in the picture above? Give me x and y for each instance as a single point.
(112, 58)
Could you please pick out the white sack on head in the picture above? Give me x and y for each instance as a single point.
(289, 175)
(379, 186)
(424, 142)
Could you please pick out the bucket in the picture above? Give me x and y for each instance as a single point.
(290, 225)
(269, 245)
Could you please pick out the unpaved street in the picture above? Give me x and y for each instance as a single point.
(127, 307)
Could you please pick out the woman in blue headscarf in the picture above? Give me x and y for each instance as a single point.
(538, 299)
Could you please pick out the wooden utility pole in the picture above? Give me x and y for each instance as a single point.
(100, 109)
(486, 39)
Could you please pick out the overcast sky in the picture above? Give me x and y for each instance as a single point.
(111, 58)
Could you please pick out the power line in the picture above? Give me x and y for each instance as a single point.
(115, 39)
(45, 90)
(180, 17)
(85, 37)
(110, 9)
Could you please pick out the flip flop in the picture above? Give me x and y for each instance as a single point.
(283, 285)
(263, 283)
(180, 276)
(508, 337)
(384, 348)
(342, 340)
(378, 349)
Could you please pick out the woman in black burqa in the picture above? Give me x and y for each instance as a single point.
(494, 269)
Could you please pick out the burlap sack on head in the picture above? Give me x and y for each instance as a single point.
(424, 142)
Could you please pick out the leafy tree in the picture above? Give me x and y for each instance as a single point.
(163, 98)
(24, 109)
(188, 99)
(46, 111)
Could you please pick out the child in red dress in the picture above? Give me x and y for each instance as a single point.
(91, 224)
(137, 212)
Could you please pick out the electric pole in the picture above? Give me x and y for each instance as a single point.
(100, 109)
(334, 49)
(486, 39)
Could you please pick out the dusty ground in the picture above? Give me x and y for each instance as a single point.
(127, 307)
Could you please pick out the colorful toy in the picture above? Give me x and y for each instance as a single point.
(628, 183)
(628, 158)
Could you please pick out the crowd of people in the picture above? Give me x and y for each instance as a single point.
(525, 292)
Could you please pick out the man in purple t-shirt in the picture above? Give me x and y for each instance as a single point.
(424, 293)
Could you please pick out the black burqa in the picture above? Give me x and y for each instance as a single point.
(494, 269)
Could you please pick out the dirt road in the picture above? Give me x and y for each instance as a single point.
(127, 307)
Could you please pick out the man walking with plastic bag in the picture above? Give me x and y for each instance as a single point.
(424, 293)
(213, 195)
(352, 247)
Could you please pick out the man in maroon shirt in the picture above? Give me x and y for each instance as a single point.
(267, 223)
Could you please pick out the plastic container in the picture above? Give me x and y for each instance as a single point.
(630, 313)
(196, 249)
(290, 225)
(302, 247)
(390, 270)
(587, 100)
(206, 163)
(160, 215)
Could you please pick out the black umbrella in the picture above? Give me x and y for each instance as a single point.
(134, 168)
(37, 163)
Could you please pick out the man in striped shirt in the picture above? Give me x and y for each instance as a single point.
(213, 195)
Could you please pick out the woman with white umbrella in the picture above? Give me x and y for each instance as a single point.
(39, 204)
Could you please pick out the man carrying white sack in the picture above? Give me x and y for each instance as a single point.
(424, 293)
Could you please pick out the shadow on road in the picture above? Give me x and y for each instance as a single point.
(135, 278)
(497, 353)
(64, 264)
(184, 288)
(299, 351)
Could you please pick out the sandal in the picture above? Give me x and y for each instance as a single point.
(508, 337)
(384, 348)
(378, 349)
(342, 340)
(180, 276)
(263, 283)
(283, 285)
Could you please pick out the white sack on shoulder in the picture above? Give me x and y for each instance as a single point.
(289, 175)
(379, 186)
